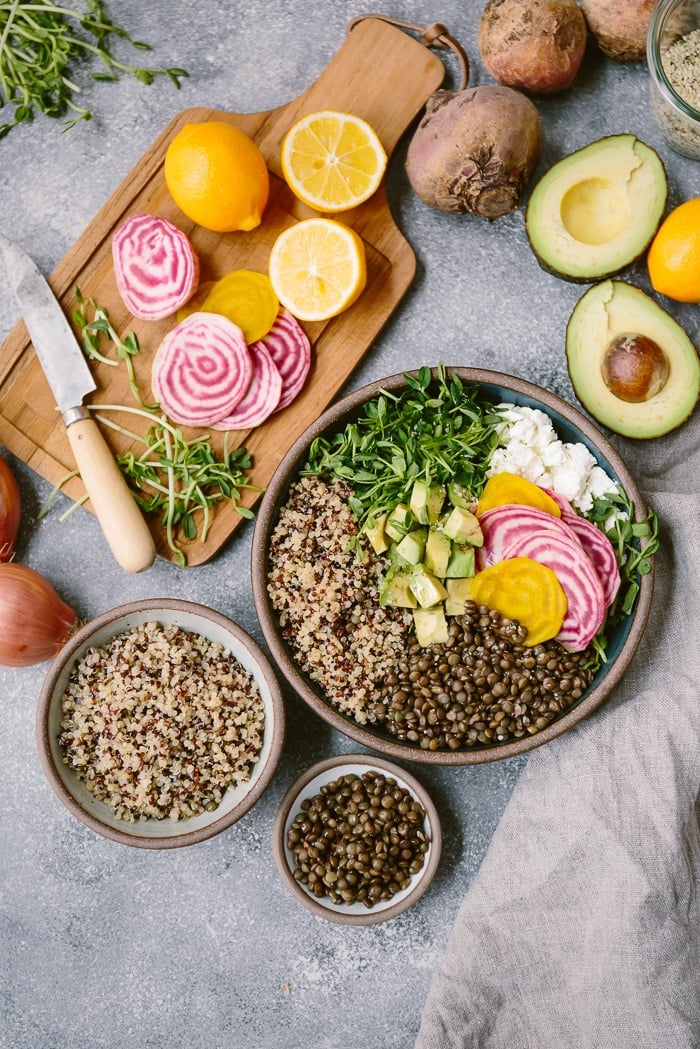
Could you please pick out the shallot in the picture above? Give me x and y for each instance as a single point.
(262, 396)
(155, 266)
(10, 511)
(34, 621)
(201, 370)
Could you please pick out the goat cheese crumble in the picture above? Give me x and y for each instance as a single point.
(530, 448)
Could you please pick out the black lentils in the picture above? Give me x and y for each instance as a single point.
(359, 840)
(482, 687)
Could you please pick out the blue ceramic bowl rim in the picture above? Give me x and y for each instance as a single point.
(571, 425)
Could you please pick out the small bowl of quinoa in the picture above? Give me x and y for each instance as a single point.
(467, 684)
(160, 723)
(357, 839)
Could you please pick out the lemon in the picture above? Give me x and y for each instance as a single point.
(332, 161)
(318, 268)
(674, 256)
(217, 176)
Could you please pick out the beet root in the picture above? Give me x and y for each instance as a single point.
(537, 46)
(475, 150)
(620, 26)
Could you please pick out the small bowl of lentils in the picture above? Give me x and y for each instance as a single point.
(361, 651)
(160, 723)
(357, 840)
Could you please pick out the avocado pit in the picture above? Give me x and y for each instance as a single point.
(634, 368)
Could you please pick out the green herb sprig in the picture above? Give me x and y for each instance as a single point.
(39, 43)
(434, 431)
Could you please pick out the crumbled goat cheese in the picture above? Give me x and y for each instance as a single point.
(530, 448)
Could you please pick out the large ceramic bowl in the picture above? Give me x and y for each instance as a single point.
(242, 792)
(571, 427)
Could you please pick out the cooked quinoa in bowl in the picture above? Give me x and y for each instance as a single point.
(160, 723)
(481, 689)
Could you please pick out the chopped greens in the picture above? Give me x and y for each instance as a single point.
(437, 432)
(39, 43)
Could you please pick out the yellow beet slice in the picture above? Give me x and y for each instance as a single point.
(523, 589)
(506, 488)
(248, 299)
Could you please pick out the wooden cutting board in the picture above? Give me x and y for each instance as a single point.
(380, 73)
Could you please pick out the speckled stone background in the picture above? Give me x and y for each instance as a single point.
(104, 946)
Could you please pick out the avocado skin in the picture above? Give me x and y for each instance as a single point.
(572, 159)
(627, 308)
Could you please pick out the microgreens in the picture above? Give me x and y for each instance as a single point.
(41, 40)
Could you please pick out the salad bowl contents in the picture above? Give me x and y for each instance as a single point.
(160, 723)
(356, 839)
(452, 566)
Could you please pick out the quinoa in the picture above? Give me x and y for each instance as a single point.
(325, 590)
(160, 721)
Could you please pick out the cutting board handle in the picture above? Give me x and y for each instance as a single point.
(433, 35)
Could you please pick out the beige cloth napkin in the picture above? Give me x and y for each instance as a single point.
(582, 928)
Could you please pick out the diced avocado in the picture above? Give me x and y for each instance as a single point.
(426, 502)
(427, 588)
(461, 562)
(459, 495)
(431, 626)
(437, 552)
(412, 547)
(463, 526)
(395, 591)
(458, 593)
(398, 522)
(376, 533)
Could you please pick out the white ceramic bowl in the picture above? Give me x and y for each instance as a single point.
(307, 786)
(154, 833)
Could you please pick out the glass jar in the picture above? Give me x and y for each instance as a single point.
(673, 55)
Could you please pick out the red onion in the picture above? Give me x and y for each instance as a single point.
(10, 511)
(34, 621)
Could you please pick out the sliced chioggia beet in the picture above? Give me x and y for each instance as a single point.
(579, 580)
(289, 346)
(262, 396)
(201, 370)
(599, 549)
(503, 525)
(155, 266)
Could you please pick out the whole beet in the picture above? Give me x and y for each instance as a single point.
(536, 46)
(475, 150)
(620, 26)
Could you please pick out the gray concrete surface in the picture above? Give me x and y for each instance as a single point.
(104, 946)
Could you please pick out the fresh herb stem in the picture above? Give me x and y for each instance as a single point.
(39, 44)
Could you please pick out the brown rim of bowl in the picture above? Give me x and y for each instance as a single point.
(426, 876)
(266, 517)
(66, 655)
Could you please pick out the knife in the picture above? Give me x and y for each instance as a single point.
(70, 379)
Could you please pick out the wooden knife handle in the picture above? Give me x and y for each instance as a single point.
(121, 520)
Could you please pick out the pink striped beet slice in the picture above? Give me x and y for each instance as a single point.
(578, 577)
(201, 370)
(290, 349)
(155, 266)
(262, 396)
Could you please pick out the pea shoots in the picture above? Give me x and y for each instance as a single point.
(40, 41)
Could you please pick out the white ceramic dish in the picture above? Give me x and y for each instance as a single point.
(153, 833)
(308, 785)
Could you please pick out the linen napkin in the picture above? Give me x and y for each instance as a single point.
(582, 927)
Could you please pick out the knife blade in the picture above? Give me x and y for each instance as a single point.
(71, 380)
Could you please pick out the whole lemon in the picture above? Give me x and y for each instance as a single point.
(217, 176)
(673, 259)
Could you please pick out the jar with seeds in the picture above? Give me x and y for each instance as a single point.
(673, 55)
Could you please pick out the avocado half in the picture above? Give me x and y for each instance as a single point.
(597, 210)
(613, 315)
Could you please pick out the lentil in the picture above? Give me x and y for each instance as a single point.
(359, 840)
(159, 722)
(483, 687)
